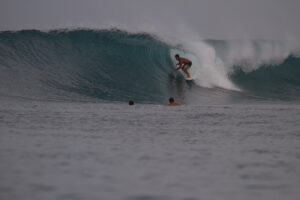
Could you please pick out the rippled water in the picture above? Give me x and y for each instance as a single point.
(92, 151)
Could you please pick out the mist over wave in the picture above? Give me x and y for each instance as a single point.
(116, 65)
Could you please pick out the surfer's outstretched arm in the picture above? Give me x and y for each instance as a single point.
(180, 66)
(177, 68)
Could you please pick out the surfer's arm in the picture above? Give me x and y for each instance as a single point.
(177, 68)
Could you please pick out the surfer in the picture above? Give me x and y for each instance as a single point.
(172, 102)
(184, 64)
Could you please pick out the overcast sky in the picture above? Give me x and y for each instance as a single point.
(234, 19)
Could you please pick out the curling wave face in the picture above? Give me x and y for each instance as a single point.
(115, 65)
(107, 64)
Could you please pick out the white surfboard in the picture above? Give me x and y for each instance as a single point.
(189, 79)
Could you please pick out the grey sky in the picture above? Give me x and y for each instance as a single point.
(274, 19)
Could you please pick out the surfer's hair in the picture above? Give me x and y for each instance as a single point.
(177, 55)
(131, 103)
(171, 100)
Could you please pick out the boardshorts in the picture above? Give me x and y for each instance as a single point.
(187, 65)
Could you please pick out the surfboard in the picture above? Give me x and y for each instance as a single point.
(189, 79)
(190, 82)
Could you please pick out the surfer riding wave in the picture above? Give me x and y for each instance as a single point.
(184, 64)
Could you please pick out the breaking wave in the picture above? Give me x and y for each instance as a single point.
(115, 65)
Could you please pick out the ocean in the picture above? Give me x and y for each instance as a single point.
(67, 131)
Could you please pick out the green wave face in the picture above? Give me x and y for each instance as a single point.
(108, 64)
(114, 65)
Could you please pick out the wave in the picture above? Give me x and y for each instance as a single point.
(115, 65)
(106, 64)
(276, 82)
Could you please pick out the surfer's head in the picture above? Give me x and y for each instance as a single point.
(171, 100)
(177, 56)
(131, 103)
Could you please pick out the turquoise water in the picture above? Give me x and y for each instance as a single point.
(114, 65)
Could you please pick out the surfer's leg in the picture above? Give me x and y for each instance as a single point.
(186, 72)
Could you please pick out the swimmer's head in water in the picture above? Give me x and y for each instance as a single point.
(171, 100)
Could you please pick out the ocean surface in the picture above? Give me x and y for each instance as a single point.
(67, 131)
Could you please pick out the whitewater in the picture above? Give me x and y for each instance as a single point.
(67, 131)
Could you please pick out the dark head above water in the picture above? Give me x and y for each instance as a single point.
(131, 103)
(171, 99)
(172, 102)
